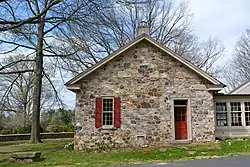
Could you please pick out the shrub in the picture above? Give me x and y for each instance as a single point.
(70, 146)
(70, 128)
(6, 131)
(24, 129)
(58, 128)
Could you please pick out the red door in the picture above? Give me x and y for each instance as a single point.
(180, 117)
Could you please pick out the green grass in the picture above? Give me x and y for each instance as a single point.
(54, 156)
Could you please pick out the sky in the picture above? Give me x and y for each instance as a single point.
(225, 20)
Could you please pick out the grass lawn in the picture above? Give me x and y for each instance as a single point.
(54, 154)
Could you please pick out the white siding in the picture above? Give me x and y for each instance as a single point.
(233, 131)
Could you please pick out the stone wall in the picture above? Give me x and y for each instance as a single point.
(146, 79)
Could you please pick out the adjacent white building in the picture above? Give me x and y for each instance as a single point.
(233, 112)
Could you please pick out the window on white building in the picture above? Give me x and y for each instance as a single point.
(221, 114)
(247, 113)
(236, 119)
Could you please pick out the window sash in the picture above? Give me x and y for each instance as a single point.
(247, 118)
(247, 106)
(107, 120)
(235, 106)
(221, 119)
(236, 119)
(221, 114)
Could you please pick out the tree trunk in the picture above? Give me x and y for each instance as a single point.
(38, 74)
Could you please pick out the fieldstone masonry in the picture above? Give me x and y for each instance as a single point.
(146, 79)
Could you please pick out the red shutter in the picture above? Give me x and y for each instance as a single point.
(117, 112)
(98, 112)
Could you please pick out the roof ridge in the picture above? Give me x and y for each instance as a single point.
(239, 86)
(157, 44)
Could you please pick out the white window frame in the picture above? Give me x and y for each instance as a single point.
(108, 126)
(246, 112)
(242, 101)
(221, 112)
(241, 112)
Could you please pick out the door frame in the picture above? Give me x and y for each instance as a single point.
(189, 120)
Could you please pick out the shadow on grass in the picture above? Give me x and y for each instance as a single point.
(48, 150)
(10, 143)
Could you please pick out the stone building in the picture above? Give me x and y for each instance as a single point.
(144, 94)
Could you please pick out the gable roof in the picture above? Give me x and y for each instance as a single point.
(70, 83)
(243, 88)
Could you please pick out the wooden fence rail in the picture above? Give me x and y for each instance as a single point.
(16, 137)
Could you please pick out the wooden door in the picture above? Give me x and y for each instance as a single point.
(180, 117)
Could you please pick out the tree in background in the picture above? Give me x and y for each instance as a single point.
(58, 120)
(238, 70)
(27, 27)
(169, 23)
(52, 120)
(17, 100)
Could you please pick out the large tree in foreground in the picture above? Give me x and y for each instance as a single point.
(29, 27)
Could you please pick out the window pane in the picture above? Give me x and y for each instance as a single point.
(180, 102)
(247, 118)
(221, 106)
(108, 118)
(236, 119)
(235, 106)
(107, 105)
(247, 106)
(180, 114)
(221, 119)
(107, 111)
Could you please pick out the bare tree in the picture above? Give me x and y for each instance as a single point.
(18, 97)
(30, 32)
(169, 23)
(238, 70)
(241, 60)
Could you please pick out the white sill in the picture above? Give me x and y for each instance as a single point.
(231, 127)
(108, 128)
(182, 141)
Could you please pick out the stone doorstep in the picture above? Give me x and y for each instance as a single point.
(181, 142)
(25, 156)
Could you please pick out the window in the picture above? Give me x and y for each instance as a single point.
(180, 110)
(247, 113)
(235, 106)
(247, 106)
(236, 114)
(107, 111)
(221, 114)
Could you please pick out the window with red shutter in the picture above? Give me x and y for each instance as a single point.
(117, 112)
(108, 112)
(98, 112)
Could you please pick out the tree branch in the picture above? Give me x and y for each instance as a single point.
(29, 20)
(16, 72)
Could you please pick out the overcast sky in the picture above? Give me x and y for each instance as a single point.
(224, 19)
